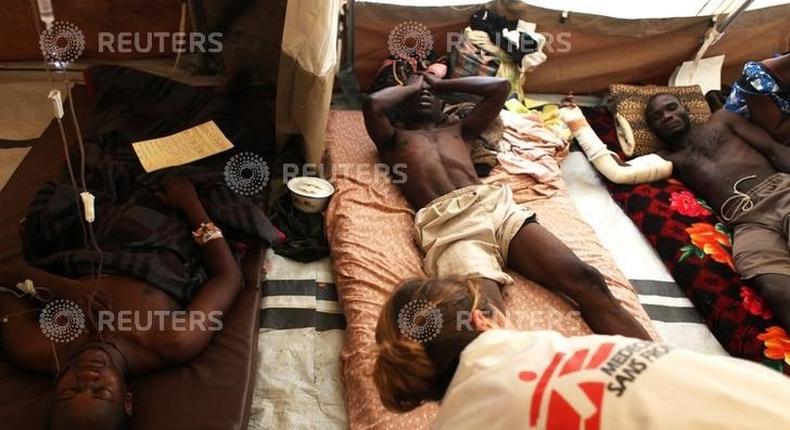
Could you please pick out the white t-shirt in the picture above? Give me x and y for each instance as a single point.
(541, 380)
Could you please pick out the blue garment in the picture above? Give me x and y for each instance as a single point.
(757, 80)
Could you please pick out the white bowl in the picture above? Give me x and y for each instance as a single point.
(310, 194)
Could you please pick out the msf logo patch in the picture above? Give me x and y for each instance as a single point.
(570, 392)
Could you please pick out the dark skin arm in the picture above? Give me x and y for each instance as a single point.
(757, 137)
(377, 104)
(21, 336)
(493, 90)
(22, 339)
(216, 295)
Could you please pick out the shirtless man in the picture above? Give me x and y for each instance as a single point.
(467, 228)
(91, 392)
(738, 168)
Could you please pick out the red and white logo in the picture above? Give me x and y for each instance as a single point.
(569, 393)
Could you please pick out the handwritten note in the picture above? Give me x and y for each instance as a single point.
(184, 147)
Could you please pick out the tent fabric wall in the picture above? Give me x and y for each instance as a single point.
(19, 39)
(603, 50)
(306, 72)
(251, 35)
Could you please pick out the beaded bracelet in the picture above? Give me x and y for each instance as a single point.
(206, 233)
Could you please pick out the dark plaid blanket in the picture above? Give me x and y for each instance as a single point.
(138, 235)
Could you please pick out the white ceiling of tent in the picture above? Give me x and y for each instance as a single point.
(616, 8)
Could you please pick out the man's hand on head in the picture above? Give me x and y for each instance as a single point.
(416, 81)
(432, 80)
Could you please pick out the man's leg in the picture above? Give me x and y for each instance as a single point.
(537, 254)
(762, 256)
(775, 289)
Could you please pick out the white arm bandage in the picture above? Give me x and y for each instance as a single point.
(647, 168)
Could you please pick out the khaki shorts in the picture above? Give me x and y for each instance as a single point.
(760, 244)
(467, 232)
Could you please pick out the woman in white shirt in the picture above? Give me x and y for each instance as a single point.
(441, 340)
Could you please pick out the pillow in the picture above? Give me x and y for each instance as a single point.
(629, 103)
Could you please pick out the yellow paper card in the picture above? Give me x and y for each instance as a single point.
(184, 147)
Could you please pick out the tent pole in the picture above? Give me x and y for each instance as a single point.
(346, 77)
(714, 33)
(198, 22)
(731, 17)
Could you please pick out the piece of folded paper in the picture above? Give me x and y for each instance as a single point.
(184, 147)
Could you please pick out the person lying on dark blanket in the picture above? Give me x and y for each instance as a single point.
(138, 235)
(91, 370)
(467, 228)
(743, 172)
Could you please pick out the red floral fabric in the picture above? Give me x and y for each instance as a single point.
(777, 344)
(686, 204)
(697, 250)
(709, 239)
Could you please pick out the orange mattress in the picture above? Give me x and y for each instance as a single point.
(369, 226)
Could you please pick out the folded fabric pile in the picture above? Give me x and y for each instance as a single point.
(304, 232)
(495, 46)
(515, 37)
(525, 144)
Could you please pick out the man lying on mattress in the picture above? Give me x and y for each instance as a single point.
(91, 392)
(467, 228)
(741, 170)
